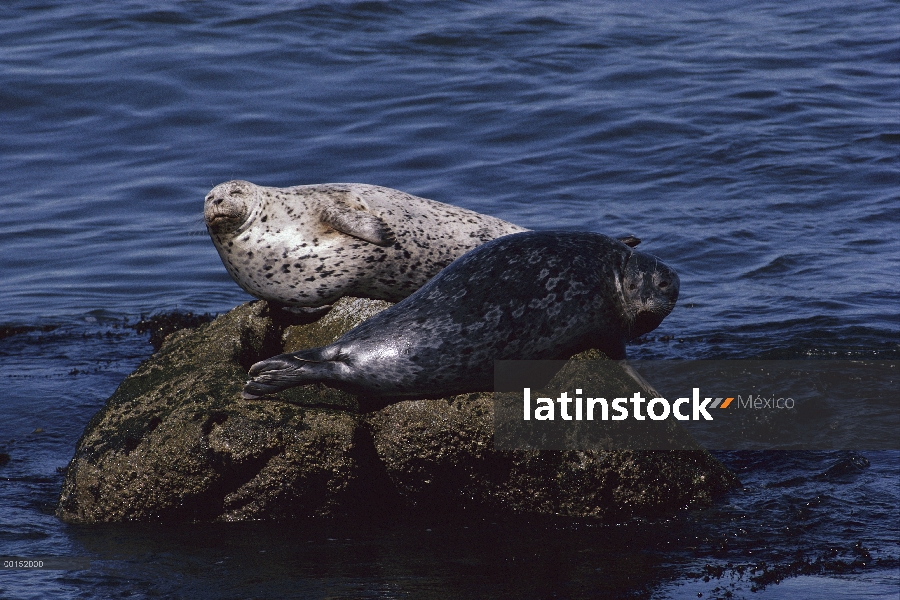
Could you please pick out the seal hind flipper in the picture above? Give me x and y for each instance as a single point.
(359, 224)
(630, 241)
(283, 371)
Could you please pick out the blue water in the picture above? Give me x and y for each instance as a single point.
(753, 146)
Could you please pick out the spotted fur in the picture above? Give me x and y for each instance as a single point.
(307, 246)
(535, 295)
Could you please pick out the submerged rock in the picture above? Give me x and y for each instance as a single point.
(160, 325)
(176, 441)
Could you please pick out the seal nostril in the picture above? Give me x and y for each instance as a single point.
(217, 201)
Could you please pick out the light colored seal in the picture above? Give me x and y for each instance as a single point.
(308, 245)
(535, 295)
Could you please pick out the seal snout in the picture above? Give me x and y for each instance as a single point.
(667, 286)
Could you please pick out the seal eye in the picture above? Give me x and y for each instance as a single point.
(632, 286)
(663, 284)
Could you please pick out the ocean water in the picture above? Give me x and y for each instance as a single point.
(753, 146)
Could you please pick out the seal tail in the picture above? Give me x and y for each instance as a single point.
(284, 371)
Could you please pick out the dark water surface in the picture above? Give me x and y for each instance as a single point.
(753, 146)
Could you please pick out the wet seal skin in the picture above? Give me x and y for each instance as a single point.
(533, 295)
(306, 246)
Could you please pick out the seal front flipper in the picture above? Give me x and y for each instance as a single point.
(298, 315)
(359, 224)
(284, 371)
(614, 349)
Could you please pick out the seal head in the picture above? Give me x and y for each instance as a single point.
(528, 296)
(650, 288)
(227, 207)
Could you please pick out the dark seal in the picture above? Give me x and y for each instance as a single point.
(535, 295)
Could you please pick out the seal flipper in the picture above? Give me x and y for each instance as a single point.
(359, 224)
(613, 349)
(298, 315)
(284, 371)
(630, 241)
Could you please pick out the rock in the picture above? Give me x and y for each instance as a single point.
(441, 455)
(346, 314)
(177, 442)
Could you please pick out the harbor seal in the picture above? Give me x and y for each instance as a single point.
(307, 246)
(534, 295)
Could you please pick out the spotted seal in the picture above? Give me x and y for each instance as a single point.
(534, 295)
(308, 245)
